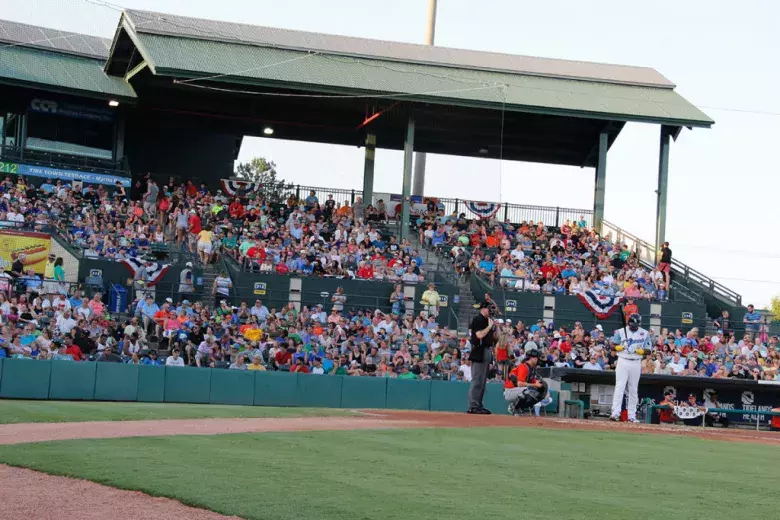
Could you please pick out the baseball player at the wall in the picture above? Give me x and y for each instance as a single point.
(630, 344)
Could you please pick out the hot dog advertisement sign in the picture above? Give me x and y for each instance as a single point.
(34, 246)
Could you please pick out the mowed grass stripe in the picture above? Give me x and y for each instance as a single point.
(12, 412)
(427, 473)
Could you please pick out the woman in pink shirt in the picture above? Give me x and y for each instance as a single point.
(96, 305)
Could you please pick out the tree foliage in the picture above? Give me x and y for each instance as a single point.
(774, 307)
(264, 172)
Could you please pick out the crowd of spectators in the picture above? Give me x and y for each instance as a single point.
(301, 236)
(340, 340)
(532, 257)
(44, 320)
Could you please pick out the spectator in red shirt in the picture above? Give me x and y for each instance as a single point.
(365, 271)
(283, 358)
(72, 349)
(236, 209)
(300, 367)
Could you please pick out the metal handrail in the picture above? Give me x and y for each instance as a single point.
(550, 215)
(647, 255)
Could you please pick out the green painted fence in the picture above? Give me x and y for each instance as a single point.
(67, 380)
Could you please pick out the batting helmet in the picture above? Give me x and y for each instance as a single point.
(634, 321)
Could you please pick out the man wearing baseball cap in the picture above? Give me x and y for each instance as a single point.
(523, 388)
(483, 337)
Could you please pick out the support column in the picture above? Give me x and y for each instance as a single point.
(420, 158)
(368, 170)
(663, 181)
(407, 184)
(601, 182)
(119, 145)
(418, 187)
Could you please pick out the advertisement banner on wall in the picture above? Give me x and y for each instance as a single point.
(63, 175)
(35, 246)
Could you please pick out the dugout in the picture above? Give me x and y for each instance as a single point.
(732, 394)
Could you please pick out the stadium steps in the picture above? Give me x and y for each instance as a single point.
(466, 310)
(686, 281)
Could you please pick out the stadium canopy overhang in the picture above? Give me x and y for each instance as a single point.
(333, 89)
(242, 80)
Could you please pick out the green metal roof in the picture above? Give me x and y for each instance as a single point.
(269, 66)
(66, 72)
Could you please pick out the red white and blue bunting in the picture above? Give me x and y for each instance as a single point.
(154, 270)
(601, 306)
(484, 210)
(233, 187)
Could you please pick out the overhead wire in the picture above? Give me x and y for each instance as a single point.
(338, 96)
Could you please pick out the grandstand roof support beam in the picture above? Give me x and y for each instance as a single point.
(601, 181)
(368, 170)
(663, 181)
(406, 202)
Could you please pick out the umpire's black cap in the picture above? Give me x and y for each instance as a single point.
(532, 353)
(485, 305)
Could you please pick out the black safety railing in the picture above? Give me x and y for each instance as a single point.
(549, 215)
(685, 274)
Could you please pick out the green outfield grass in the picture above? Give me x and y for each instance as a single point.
(431, 473)
(77, 411)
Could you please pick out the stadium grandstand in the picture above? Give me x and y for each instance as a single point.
(115, 250)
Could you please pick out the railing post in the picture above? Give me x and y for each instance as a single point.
(352, 197)
(557, 217)
(506, 211)
(298, 192)
(456, 205)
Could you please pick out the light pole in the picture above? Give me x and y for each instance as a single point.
(419, 160)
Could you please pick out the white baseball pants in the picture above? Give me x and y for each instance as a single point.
(627, 373)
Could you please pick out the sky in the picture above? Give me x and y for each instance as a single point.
(723, 182)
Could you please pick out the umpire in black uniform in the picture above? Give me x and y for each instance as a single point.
(482, 340)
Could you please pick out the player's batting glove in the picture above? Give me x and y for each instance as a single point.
(618, 348)
(640, 351)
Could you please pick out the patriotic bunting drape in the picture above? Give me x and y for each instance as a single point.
(155, 270)
(601, 306)
(484, 210)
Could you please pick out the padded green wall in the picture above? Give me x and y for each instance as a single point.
(232, 387)
(151, 383)
(116, 382)
(70, 380)
(187, 385)
(364, 392)
(66, 380)
(25, 379)
(409, 394)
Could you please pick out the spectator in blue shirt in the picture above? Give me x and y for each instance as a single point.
(751, 319)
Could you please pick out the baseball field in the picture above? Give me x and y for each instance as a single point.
(135, 460)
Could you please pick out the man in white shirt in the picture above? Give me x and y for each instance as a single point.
(174, 360)
(60, 303)
(65, 323)
(517, 253)
(592, 364)
(259, 310)
(466, 369)
(676, 365)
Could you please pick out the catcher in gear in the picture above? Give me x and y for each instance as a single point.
(523, 388)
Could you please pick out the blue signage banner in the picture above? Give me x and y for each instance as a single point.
(66, 175)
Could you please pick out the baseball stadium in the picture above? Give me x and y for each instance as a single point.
(185, 337)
